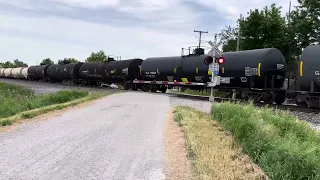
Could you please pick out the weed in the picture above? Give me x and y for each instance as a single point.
(283, 146)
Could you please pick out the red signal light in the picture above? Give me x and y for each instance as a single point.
(208, 60)
(220, 60)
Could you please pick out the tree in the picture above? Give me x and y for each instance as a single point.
(263, 29)
(68, 60)
(17, 63)
(47, 61)
(228, 39)
(8, 64)
(230, 46)
(97, 57)
(305, 19)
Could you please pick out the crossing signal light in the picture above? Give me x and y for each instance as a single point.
(220, 60)
(208, 60)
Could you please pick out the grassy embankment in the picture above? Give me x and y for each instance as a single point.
(281, 145)
(17, 102)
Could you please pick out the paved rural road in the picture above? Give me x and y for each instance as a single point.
(118, 137)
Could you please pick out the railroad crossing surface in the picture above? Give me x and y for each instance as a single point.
(117, 137)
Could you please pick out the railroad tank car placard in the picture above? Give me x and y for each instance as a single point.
(199, 78)
(248, 71)
(125, 71)
(280, 66)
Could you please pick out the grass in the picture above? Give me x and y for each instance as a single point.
(283, 146)
(18, 102)
(212, 150)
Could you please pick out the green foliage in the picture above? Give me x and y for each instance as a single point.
(283, 146)
(97, 57)
(15, 99)
(228, 39)
(67, 61)
(47, 61)
(15, 64)
(266, 28)
(305, 20)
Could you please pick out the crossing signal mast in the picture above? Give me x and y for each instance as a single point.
(214, 60)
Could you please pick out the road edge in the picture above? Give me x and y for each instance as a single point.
(50, 111)
(177, 164)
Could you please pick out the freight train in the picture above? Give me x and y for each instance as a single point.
(258, 75)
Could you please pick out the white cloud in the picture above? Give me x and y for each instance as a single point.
(232, 9)
(89, 3)
(160, 28)
(129, 43)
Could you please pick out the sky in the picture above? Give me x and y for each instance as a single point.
(32, 30)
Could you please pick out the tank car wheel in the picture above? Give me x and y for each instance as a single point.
(145, 88)
(126, 86)
(244, 96)
(163, 89)
(154, 88)
(300, 101)
(280, 98)
(134, 87)
(268, 98)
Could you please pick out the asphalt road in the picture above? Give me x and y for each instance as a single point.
(118, 137)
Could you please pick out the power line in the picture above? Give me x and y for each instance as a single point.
(200, 33)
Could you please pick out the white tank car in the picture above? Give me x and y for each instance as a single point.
(7, 72)
(24, 73)
(1, 70)
(16, 72)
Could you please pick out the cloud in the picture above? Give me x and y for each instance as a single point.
(32, 30)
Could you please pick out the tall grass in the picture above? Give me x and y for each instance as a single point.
(283, 146)
(15, 99)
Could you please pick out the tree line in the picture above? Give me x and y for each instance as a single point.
(267, 28)
(99, 56)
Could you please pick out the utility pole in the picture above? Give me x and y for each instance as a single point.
(238, 40)
(289, 15)
(200, 33)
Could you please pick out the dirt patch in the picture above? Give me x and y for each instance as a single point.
(177, 166)
(46, 116)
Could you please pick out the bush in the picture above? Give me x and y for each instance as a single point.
(283, 146)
